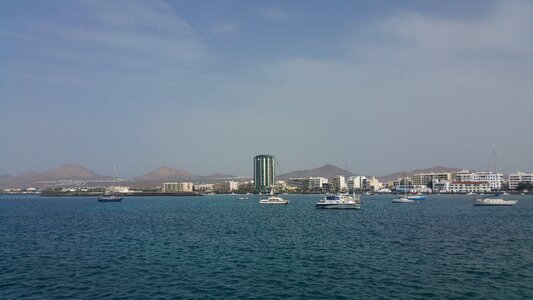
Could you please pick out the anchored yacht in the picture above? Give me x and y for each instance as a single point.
(340, 201)
(273, 199)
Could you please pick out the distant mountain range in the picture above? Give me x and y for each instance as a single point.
(328, 171)
(75, 172)
(165, 174)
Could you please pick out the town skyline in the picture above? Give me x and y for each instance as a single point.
(374, 86)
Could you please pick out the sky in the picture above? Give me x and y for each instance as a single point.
(371, 86)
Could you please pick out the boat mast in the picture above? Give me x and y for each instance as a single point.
(496, 171)
(113, 180)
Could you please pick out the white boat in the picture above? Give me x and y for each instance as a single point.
(416, 197)
(402, 200)
(494, 202)
(505, 194)
(242, 198)
(471, 193)
(273, 199)
(108, 196)
(340, 201)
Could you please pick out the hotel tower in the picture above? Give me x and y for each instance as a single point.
(264, 171)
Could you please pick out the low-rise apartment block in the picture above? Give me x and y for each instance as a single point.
(172, 187)
(470, 187)
(427, 178)
(515, 179)
(494, 179)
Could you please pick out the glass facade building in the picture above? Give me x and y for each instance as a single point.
(264, 172)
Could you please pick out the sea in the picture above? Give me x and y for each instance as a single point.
(221, 247)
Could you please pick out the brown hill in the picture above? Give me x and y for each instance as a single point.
(394, 176)
(70, 172)
(164, 174)
(328, 171)
(63, 172)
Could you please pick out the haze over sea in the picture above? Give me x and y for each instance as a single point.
(222, 247)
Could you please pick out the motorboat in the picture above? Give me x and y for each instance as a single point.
(340, 201)
(109, 198)
(494, 202)
(242, 198)
(402, 200)
(273, 199)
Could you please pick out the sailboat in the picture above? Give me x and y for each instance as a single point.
(108, 197)
(493, 200)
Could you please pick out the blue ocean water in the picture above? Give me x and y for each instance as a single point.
(222, 247)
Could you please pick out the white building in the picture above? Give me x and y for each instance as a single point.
(470, 187)
(373, 184)
(494, 179)
(401, 181)
(442, 186)
(204, 187)
(119, 189)
(356, 183)
(515, 179)
(172, 187)
(425, 178)
(230, 186)
(314, 183)
(410, 188)
(318, 182)
(339, 183)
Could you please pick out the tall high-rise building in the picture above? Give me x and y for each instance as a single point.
(264, 171)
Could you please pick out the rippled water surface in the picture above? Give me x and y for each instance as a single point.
(222, 247)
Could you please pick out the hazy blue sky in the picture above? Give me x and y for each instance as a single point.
(204, 86)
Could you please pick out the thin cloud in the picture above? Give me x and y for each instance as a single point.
(507, 29)
(126, 36)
